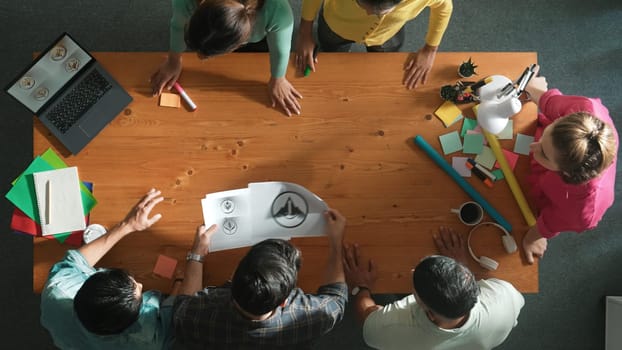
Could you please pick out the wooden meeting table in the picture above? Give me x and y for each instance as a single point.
(351, 145)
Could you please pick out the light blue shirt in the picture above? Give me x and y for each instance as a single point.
(152, 330)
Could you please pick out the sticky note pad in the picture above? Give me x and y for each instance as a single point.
(450, 142)
(521, 145)
(473, 143)
(448, 113)
(511, 157)
(486, 158)
(169, 100)
(499, 174)
(165, 266)
(459, 163)
(477, 131)
(468, 124)
(506, 134)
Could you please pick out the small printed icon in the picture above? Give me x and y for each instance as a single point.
(41, 93)
(227, 206)
(72, 65)
(289, 209)
(27, 83)
(58, 53)
(229, 227)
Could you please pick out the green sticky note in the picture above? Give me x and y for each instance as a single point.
(499, 174)
(473, 143)
(521, 145)
(468, 124)
(450, 142)
(486, 158)
(506, 134)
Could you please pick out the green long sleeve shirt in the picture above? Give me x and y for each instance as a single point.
(274, 20)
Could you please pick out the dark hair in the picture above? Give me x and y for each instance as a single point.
(265, 276)
(585, 147)
(221, 26)
(445, 286)
(106, 303)
(380, 5)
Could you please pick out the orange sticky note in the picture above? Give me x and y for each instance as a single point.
(165, 266)
(169, 100)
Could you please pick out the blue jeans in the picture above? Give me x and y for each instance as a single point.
(332, 42)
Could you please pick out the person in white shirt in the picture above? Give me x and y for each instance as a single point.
(449, 308)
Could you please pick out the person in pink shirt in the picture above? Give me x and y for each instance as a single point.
(573, 165)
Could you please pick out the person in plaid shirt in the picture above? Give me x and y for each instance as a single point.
(261, 308)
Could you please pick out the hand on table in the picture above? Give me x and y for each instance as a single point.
(417, 66)
(167, 74)
(534, 245)
(451, 244)
(304, 52)
(335, 228)
(283, 93)
(202, 239)
(358, 273)
(138, 217)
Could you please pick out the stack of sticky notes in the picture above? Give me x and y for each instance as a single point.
(26, 218)
(448, 113)
(471, 141)
(168, 99)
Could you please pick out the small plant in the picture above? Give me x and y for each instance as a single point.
(467, 69)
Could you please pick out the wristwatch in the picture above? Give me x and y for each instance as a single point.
(194, 257)
(356, 290)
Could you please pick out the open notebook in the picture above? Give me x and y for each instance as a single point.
(59, 201)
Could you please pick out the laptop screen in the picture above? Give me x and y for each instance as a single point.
(49, 73)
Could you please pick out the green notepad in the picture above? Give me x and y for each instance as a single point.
(22, 194)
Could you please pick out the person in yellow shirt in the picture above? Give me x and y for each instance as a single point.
(377, 24)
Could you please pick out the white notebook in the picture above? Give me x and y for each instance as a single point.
(59, 201)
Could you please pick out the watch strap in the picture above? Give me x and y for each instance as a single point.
(194, 257)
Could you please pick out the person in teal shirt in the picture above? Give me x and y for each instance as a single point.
(215, 27)
(87, 308)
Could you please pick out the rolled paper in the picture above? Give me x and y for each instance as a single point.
(472, 192)
(510, 178)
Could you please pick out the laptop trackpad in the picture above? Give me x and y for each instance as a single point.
(93, 123)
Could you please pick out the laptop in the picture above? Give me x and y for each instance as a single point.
(70, 92)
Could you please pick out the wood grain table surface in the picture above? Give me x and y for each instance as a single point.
(351, 145)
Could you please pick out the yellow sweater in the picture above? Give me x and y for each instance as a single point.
(351, 22)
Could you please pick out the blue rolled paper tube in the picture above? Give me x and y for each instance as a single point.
(440, 161)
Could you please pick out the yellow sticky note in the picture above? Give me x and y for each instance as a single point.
(169, 100)
(448, 113)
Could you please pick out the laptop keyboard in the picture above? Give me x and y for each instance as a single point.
(82, 97)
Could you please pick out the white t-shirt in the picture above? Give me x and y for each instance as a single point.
(404, 324)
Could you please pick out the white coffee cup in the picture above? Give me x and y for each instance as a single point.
(470, 213)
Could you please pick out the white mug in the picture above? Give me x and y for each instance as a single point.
(470, 213)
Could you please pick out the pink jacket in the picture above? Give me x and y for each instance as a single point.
(562, 206)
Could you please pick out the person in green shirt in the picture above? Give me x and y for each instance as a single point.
(216, 27)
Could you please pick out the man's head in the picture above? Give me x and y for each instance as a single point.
(265, 276)
(108, 302)
(445, 286)
(378, 7)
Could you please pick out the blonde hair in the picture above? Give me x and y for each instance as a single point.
(585, 146)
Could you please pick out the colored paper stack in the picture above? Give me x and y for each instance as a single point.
(25, 219)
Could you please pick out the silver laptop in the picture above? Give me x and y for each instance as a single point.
(70, 92)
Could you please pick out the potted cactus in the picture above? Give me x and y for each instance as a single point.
(467, 69)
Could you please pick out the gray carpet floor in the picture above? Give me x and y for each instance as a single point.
(580, 51)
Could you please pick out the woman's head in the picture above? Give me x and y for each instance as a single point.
(221, 26)
(578, 146)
